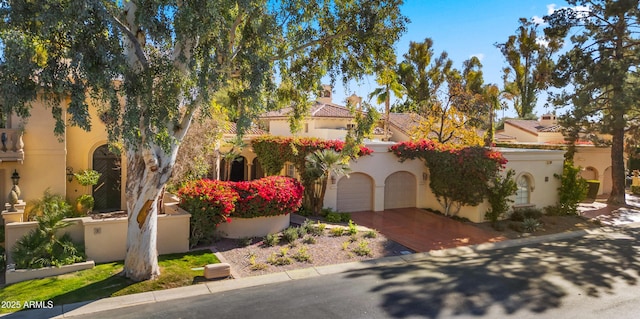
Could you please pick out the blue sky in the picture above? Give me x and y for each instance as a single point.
(463, 28)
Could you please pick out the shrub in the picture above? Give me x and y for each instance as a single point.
(210, 203)
(517, 215)
(352, 228)
(269, 196)
(87, 177)
(271, 240)
(333, 217)
(532, 213)
(635, 190)
(48, 204)
(43, 248)
(345, 217)
(302, 255)
(517, 226)
(572, 190)
(337, 231)
(530, 225)
(362, 249)
(498, 196)
(245, 241)
(84, 204)
(317, 229)
(290, 234)
(309, 240)
(371, 234)
(553, 210)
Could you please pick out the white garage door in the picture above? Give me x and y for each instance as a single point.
(355, 193)
(400, 190)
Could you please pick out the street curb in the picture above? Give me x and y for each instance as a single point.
(211, 287)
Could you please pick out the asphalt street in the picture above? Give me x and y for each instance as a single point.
(595, 276)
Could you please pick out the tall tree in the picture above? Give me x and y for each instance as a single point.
(529, 66)
(387, 77)
(598, 71)
(149, 65)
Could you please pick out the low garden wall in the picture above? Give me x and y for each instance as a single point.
(17, 275)
(105, 240)
(254, 227)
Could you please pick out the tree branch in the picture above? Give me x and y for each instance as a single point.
(309, 44)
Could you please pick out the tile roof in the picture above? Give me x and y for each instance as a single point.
(534, 126)
(404, 122)
(231, 129)
(317, 110)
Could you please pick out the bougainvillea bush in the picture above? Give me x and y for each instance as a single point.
(457, 176)
(212, 202)
(269, 196)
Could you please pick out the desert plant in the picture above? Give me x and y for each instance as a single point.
(42, 247)
(302, 255)
(333, 217)
(271, 240)
(254, 265)
(345, 245)
(530, 225)
(309, 240)
(353, 238)
(281, 258)
(352, 228)
(290, 234)
(337, 231)
(370, 234)
(48, 204)
(302, 231)
(362, 249)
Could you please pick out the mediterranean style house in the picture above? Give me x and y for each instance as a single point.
(379, 181)
(595, 162)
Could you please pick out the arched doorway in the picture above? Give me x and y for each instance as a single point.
(607, 183)
(400, 190)
(589, 173)
(107, 192)
(256, 169)
(236, 171)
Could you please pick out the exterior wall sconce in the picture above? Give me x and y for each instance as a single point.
(14, 194)
(15, 177)
(425, 176)
(70, 174)
(333, 179)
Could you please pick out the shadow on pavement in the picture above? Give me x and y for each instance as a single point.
(535, 278)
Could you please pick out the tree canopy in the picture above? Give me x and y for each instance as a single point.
(598, 73)
(150, 65)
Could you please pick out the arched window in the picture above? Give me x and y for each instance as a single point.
(524, 190)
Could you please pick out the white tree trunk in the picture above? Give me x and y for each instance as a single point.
(147, 173)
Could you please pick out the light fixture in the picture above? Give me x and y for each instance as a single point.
(333, 179)
(15, 177)
(70, 174)
(425, 176)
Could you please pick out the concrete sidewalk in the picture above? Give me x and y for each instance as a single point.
(88, 307)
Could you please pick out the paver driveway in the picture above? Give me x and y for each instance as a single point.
(423, 231)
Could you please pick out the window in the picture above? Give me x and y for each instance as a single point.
(524, 187)
(291, 170)
(306, 127)
(351, 126)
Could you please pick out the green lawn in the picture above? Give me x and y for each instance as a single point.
(104, 281)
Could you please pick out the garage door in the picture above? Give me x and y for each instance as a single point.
(355, 193)
(400, 190)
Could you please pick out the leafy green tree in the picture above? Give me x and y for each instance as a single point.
(388, 79)
(529, 66)
(150, 65)
(598, 73)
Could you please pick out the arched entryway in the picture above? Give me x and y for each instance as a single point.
(355, 193)
(107, 192)
(589, 173)
(236, 169)
(256, 169)
(607, 181)
(400, 190)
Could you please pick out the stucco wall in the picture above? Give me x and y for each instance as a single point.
(598, 158)
(520, 134)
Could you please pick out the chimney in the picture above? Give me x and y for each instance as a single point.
(355, 101)
(547, 120)
(325, 94)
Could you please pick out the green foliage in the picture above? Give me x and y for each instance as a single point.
(302, 255)
(457, 176)
(87, 177)
(317, 229)
(271, 240)
(498, 196)
(352, 228)
(245, 241)
(530, 225)
(520, 214)
(85, 203)
(362, 249)
(635, 190)
(370, 234)
(309, 240)
(280, 259)
(333, 217)
(573, 189)
(49, 204)
(43, 247)
(597, 76)
(337, 231)
(290, 234)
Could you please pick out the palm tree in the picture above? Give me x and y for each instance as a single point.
(388, 78)
(320, 166)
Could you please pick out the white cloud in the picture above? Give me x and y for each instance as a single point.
(551, 8)
(542, 42)
(583, 11)
(537, 20)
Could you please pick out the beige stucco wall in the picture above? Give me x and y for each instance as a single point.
(599, 158)
(520, 134)
(329, 129)
(379, 166)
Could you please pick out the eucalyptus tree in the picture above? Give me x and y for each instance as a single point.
(598, 72)
(150, 65)
(529, 65)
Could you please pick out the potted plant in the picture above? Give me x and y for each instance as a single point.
(87, 177)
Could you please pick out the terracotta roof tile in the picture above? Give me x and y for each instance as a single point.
(231, 128)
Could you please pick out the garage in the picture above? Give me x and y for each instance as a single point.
(355, 193)
(400, 190)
